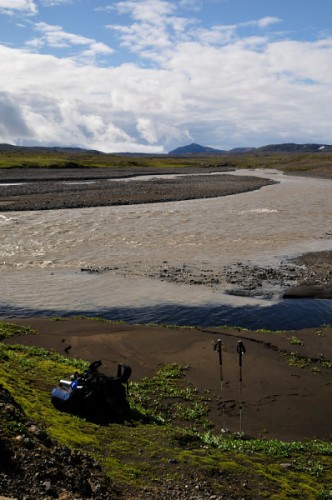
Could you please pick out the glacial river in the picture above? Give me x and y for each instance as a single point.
(42, 254)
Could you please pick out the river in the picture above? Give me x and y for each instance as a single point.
(42, 254)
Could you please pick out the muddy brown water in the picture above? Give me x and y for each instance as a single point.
(42, 253)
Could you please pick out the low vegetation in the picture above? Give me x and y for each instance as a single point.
(167, 445)
(313, 163)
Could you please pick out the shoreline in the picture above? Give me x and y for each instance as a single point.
(286, 375)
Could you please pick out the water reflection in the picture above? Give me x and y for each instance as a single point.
(284, 315)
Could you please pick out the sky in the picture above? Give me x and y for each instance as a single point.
(151, 75)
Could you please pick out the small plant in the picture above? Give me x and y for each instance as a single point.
(326, 364)
(296, 341)
(298, 361)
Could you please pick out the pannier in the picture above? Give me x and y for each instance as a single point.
(94, 395)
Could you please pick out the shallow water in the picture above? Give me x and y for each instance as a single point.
(42, 253)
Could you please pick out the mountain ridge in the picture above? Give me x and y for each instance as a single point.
(192, 149)
(196, 149)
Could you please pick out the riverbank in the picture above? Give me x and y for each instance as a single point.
(286, 375)
(163, 448)
(309, 275)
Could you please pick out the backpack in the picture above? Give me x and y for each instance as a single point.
(94, 395)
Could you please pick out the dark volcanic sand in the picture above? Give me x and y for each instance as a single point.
(282, 399)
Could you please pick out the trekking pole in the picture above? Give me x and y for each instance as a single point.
(240, 350)
(218, 349)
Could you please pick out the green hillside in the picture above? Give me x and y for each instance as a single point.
(315, 163)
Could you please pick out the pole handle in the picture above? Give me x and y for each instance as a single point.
(241, 350)
(218, 349)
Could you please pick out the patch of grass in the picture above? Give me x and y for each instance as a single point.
(88, 318)
(265, 330)
(169, 399)
(315, 365)
(273, 448)
(297, 361)
(296, 341)
(324, 494)
(166, 325)
(326, 364)
(9, 330)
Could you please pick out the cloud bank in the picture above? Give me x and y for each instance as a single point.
(222, 86)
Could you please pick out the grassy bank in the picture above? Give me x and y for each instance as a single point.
(315, 163)
(167, 444)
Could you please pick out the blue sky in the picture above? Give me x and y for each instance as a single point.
(151, 75)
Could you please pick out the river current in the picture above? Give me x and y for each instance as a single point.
(42, 254)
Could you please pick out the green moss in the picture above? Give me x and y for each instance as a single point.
(9, 330)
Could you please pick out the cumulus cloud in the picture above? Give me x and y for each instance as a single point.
(27, 7)
(11, 118)
(223, 87)
(56, 37)
(154, 27)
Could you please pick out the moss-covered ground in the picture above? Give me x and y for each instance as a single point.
(167, 440)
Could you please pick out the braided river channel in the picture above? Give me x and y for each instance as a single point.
(44, 256)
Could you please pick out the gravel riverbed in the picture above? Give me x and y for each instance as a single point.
(97, 187)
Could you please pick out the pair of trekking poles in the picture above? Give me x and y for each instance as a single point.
(240, 349)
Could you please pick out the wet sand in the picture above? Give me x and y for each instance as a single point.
(287, 383)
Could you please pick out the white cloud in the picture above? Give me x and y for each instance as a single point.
(267, 21)
(11, 118)
(152, 11)
(216, 86)
(54, 3)
(56, 37)
(147, 130)
(27, 7)
(154, 26)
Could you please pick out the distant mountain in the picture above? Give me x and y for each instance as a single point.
(241, 150)
(197, 149)
(189, 150)
(295, 148)
(50, 149)
(194, 149)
